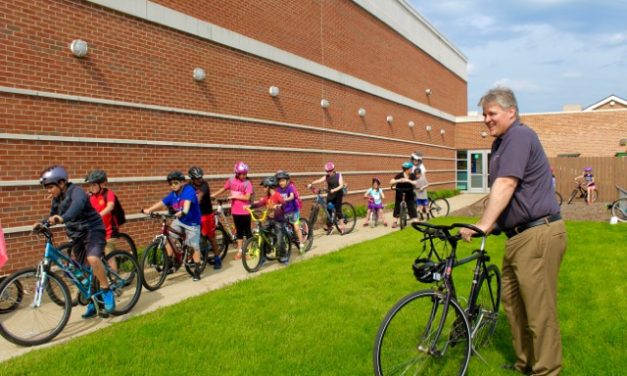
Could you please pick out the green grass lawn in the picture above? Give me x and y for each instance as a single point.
(320, 317)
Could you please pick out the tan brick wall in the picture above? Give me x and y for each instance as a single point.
(593, 134)
(135, 61)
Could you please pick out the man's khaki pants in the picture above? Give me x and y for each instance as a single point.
(530, 273)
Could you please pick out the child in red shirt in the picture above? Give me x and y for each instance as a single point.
(273, 202)
(103, 200)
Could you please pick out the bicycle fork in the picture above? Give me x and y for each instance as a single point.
(42, 280)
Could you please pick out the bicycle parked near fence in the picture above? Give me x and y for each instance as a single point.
(581, 192)
(264, 243)
(619, 207)
(37, 303)
(428, 332)
(348, 213)
(155, 263)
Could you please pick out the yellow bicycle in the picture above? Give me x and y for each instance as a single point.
(265, 243)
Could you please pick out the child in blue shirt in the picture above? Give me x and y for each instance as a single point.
(375, 198)
(183, 201)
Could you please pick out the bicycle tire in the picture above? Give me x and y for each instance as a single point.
(305, 230)
(485, 314)
(124, 242)
(26, 325)
(595, 196)
(252, 254)
(203, 261)
(154, 265)
(419, 335)
(572, 196)
(11, 297)
(403, 215)
(619, 209)
(125, 282)
(439, 207)
(349, 217)
(559, 198)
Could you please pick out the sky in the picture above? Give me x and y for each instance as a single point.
(550, 52)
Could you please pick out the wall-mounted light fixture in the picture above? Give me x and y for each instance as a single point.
(389, 119)
(442, 132)
(273, 91)
(411, 124)
(429, 128)
(428, 92)
(79, 47)
(612, 103)
(484, 134)
(623, 142)
(199, 74)
(362, 112)
(324, 103)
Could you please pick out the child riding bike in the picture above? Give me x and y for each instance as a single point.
(375, 198)
(405, 183)
(183, 202)
(83, 224)
(335, 185)
(275, 219)
(291, 208)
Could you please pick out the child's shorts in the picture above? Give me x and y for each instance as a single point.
(422, 202)
(373, 206)
(293, 217)
(208, 225)
(192, 233)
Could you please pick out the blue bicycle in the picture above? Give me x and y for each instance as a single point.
(37, 302)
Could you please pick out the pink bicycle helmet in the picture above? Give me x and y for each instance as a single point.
(241, 168)
(329, 166)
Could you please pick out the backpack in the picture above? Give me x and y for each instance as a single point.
(118, 210)
(297, 199)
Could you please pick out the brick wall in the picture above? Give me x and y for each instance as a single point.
(139, 63)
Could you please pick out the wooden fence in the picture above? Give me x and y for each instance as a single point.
(608, 173)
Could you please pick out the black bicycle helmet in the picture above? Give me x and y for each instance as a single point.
(195, 172)
(53, 175)
(281, 174)
(175, 175)
(96, 177)
(269, 182)
(425, 270)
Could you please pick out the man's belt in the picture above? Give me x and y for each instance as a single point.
(526, 226)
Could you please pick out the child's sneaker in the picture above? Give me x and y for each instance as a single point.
(109, 300)
(90, 312)
(217, 262)
(301, 249)
(196, 276)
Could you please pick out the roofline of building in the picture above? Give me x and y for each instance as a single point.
(479, 118)
(612, 97)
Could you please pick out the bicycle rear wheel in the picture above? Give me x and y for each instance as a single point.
(572, 196)
(305, 229)
(222, 240)
(403, 215)
(26, 324)
(253, 254)
(124, 280)
(619, 209)
(486, 309)
(439, 207)
(189, 267)
(349, 217)
(422, 335)
(594, 196)
(154, 266)
(125, 243)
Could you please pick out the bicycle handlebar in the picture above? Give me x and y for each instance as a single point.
(158, 215)
(253, 215)
(443, 231)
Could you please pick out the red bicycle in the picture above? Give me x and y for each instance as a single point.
(155, 261)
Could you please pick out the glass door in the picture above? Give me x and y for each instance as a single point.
(478, 170)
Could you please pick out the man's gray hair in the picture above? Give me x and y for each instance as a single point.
(502, 96)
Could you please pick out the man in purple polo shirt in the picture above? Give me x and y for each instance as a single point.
(522, 204)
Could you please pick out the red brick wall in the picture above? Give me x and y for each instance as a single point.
(135, 61)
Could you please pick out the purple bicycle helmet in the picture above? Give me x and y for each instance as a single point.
(329, 166)
(53, 175)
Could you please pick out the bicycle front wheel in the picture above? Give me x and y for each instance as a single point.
(423, 335)
(572, 196)
(154, 266)
(403, 215)
(252, 254)
(124, 280)
(349, 217)
(439, 208)
(305, 230)
(619, 209)
(486, 308)
(29, 323)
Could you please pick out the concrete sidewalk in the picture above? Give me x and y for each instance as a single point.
(179, 286)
